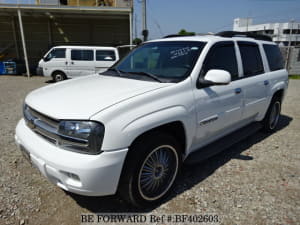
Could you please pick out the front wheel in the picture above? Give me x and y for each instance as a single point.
(271, 119)
(59, 76)
(150, 170)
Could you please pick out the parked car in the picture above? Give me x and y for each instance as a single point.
(64, 62)
(131, 128)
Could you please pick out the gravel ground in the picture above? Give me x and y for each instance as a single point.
(257, 181)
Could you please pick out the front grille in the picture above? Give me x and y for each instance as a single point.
(41, 124)
(47, 128)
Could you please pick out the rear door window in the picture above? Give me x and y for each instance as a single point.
(105, 55)
(274, 57)
(82, 55)
(251, 58)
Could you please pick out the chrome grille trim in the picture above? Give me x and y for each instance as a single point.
(46, 119)
(42, 125)
(47, 128)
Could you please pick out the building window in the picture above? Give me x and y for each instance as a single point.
(269, 31)
(294, 31)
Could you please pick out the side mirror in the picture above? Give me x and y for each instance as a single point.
(45, 59)
(216, 77)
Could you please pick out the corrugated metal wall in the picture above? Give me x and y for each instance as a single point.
(43, 32)
(7, 48)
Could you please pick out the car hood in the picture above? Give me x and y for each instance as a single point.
(83, 97)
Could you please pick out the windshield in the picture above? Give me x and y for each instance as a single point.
(168, 61)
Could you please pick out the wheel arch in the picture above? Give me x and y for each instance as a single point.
(176, 129)
(278, 94)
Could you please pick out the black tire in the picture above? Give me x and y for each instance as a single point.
(144, 183)
(59, 76)
(272, 116)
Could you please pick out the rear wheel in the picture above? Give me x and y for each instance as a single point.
(271, 119)
(59, 76)
(150, 170)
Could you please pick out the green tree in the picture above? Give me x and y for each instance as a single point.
(137, 41)
(184, 32)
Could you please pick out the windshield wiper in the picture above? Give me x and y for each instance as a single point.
(116, 70)
(148, 75)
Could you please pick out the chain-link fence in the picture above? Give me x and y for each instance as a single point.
(292, 59)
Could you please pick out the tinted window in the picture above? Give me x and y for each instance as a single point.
(56, 53)
(171, 60)
(274, 57)
(252, 62)
(222, 56)
(105, 55)
(86, 55)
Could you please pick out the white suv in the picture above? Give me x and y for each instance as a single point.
(130, 128)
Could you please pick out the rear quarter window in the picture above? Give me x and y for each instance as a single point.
(274, 57)
(105, 55)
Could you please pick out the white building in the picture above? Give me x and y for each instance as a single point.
(280, 32)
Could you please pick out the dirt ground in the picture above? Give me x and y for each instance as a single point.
(256, 181)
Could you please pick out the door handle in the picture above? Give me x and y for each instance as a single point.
(72, 62)
(238, 90)
(66, 63)
(266, 82)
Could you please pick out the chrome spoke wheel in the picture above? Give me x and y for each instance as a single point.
(158, 172)
(274, 115)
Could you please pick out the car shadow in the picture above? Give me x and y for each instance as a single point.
(49, 81)
(190, 176)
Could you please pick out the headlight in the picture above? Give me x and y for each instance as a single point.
(82, 136)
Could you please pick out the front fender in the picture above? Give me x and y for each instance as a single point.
(134, 128)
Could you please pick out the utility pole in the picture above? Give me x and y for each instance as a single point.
(145, 31)
(297, 34)
(135, 25)
(23, 42)
(289, 46)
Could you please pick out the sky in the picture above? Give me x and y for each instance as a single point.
(202, 16)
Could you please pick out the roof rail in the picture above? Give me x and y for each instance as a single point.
(244, 34)
(178, 35)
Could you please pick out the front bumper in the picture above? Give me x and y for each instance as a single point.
(39, 71)
(91, 175)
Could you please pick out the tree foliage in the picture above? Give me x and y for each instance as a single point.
(137, 41)
(184, 32)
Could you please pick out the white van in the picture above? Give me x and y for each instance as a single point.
(64, 62)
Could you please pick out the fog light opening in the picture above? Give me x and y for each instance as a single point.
(71, 176)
